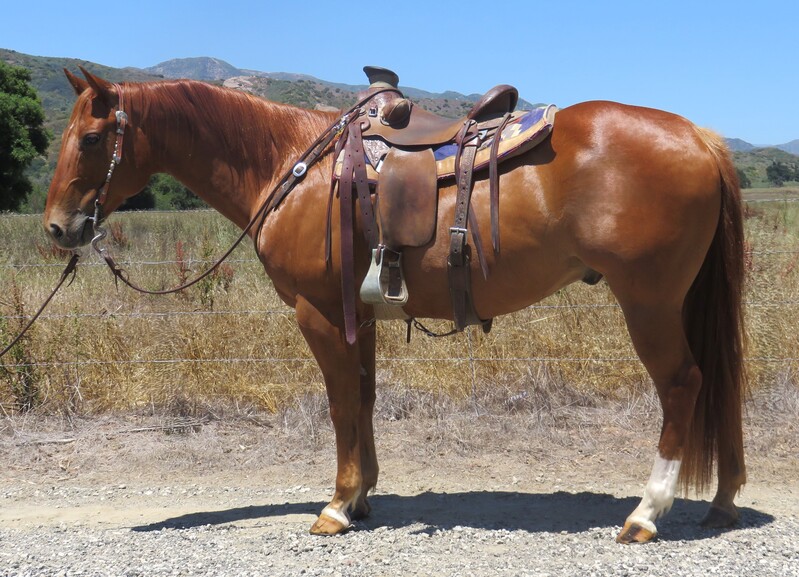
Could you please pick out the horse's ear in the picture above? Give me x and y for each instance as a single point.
(78, 84)
(104, 89)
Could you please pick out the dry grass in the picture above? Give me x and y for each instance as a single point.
(229, 346)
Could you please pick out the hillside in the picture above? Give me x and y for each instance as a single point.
(316, 92)
(313, 93)
(291, 88)
(47, 76)
(297, 89)
(754, 163)
(738, 145)
(197, 68)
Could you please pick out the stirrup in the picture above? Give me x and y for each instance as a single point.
(384, 283)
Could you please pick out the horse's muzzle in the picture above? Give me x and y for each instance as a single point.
(72, 232)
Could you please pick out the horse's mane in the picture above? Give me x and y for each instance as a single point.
(243, 127)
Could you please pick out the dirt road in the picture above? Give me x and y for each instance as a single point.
(459, 495)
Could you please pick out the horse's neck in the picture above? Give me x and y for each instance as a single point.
(227, 148)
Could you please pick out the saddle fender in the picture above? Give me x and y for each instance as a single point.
(407, 197)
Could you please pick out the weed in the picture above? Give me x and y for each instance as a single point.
(51, 252)
(182, 268)
(116, 232)
(219, 279)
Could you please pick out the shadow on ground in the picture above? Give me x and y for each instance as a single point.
(490, 510)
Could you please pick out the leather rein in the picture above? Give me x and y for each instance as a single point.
(270, 203)
(69, 269)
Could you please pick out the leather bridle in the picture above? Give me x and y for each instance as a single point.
(285, 185)
(279, 192)
(102, 192)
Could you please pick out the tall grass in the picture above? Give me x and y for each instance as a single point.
(229, 344)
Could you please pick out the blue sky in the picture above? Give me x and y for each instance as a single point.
(729, 66)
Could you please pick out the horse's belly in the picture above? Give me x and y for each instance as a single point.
(515, 281)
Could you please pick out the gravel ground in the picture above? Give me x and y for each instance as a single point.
(236, 499)
(272, 539)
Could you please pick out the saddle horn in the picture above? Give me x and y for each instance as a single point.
(381, 77)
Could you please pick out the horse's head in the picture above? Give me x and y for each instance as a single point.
(87, 150)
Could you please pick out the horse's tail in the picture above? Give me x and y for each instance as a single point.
(714, 325)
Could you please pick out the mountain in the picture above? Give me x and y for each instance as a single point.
(57, 97)
(213, 69)
(792, 146)
(201, 68)
(738, 145)
(292, 88)
(216, 70)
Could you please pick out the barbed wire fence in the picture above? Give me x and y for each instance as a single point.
(469, 357)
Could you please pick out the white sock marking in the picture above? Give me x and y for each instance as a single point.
(342, 518)
(658, 495)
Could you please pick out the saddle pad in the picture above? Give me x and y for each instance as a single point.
(525, 130)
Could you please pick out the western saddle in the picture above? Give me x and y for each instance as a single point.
(401, 151)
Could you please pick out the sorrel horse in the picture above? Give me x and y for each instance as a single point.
(641, 196)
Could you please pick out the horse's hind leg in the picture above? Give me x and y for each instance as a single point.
(732, 476)
(340, 364)
(659, 338)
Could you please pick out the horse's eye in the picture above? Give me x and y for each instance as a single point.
(91, 139)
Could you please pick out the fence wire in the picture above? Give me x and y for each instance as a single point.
(285, 312)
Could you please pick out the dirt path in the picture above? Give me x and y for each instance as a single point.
(495, 495)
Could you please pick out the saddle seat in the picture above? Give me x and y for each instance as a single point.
(400, 123)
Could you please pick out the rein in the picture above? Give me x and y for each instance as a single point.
(270, 203)
(69, 269)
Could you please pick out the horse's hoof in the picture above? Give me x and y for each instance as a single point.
(717, 518)
(634, 533)
(361, 510)
(326, 525)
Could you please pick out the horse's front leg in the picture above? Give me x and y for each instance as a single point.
(341, 366)
(369, 468)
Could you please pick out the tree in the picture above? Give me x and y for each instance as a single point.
(778, 172)
(145, 200)
(23, 136)
(743, 179)
(169, 194)
(163, 192)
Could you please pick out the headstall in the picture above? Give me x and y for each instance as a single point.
(116, 158)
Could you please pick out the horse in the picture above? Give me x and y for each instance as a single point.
(643, 197)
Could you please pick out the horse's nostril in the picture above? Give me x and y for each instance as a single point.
(56, 231)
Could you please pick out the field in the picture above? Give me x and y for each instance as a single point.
(229, 346)
(189, 434)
